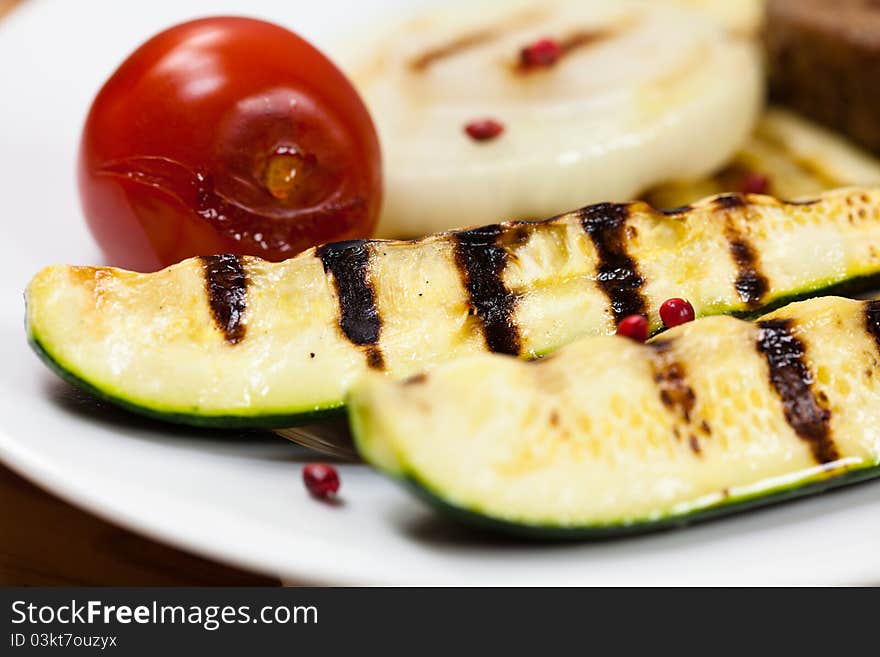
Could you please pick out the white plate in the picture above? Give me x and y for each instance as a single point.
(240, 499)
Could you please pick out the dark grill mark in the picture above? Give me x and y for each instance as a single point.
(679, 209)
(616, 272)
(669, 375)
(792, 381)
(457, 45)
(751, 284)
(374, 358)
(516, 234)
(729, 201)
(583, 38)
(349, 263)
(226, 284)
(481, 260)
(872, 319)
(472, 39)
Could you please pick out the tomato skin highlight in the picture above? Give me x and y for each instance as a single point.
(226, 135)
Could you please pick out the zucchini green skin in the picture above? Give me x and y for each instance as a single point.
(518, 288)
(851, 287)
(610, 438)
(731, 506)
(255, 421)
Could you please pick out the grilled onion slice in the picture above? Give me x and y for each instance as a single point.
(642, 93)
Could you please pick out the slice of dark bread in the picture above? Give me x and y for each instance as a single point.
(823, 59)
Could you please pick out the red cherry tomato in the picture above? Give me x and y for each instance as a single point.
(227, 135)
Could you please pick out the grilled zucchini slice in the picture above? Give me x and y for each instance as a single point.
(608, 435)
(798, 158)
(236, 341)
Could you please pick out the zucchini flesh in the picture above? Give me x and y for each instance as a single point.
(608, 435)
(799, 159)
(237, 341)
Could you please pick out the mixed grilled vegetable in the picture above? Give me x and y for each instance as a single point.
(610, 435)
(480, 366)
(237, 341)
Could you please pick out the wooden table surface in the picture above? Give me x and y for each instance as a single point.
(46, 542)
